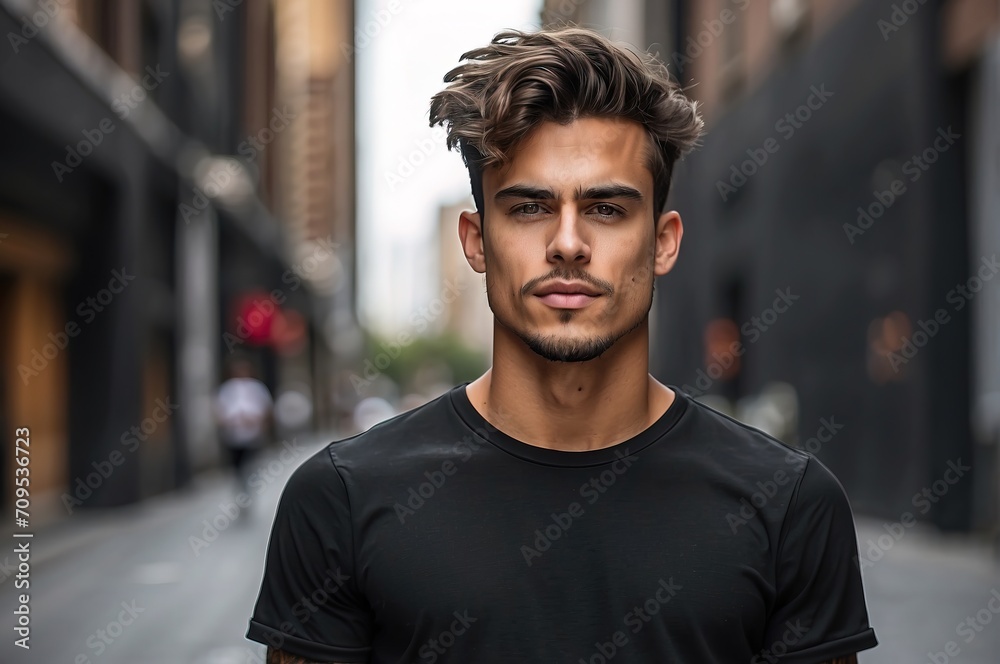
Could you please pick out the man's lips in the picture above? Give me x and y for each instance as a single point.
(567, 288)
(567, 294)
(567, 300)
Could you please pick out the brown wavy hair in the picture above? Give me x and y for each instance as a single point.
(504, 90)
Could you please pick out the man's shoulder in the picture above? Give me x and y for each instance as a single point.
(730, 442)
(385, 448)
(429, 425)
(769, 472)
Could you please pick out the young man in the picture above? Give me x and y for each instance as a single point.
(565, 506)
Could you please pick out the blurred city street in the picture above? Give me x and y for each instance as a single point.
(225, 224)
(924, 587)
(190, 600)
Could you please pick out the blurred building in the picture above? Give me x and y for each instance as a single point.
(841, 225)
(177, 186)
(468, 315)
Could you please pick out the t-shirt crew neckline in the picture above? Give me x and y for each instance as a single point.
(550, 457)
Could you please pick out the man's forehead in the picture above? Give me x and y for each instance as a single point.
(586, 152)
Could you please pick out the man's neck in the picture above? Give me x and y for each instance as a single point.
(571, 406)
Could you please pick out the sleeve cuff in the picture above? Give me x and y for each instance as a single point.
(275, 638)
(832, 649)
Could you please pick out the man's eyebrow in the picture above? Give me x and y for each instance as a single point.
(590, 193)
(525, 191)
(608, 191)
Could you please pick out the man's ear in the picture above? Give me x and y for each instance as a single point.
(669, 231)
(470, 233)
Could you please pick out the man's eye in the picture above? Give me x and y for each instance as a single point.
(527, 208)
(605, 210)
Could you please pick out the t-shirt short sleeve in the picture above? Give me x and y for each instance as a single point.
(309, 603)
(820, 611)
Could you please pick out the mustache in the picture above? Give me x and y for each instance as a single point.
(569, 275)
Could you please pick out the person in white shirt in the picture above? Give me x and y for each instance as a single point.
(243, 409)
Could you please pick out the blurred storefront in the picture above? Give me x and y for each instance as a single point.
(176, 185)
(841, 220)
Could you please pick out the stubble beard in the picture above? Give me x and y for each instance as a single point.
(559, 349)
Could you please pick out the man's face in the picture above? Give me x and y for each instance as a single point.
(570, 248)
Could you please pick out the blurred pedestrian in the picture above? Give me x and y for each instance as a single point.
(293, 410)
(243, 410)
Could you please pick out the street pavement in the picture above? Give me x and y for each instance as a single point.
(131, 586)
(927, 591)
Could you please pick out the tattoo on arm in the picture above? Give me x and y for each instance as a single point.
(281, 657)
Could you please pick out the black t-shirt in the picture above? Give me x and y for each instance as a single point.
(434, 537)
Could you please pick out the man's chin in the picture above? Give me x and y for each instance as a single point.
(566, 345)
(568, 349)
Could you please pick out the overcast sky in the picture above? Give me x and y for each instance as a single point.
(405, 171)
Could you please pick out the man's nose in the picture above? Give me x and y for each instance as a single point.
(568, 243)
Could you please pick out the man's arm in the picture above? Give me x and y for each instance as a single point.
(281, 657)
(309, 555)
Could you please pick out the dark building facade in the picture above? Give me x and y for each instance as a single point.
(133, 221)
(815, 185)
